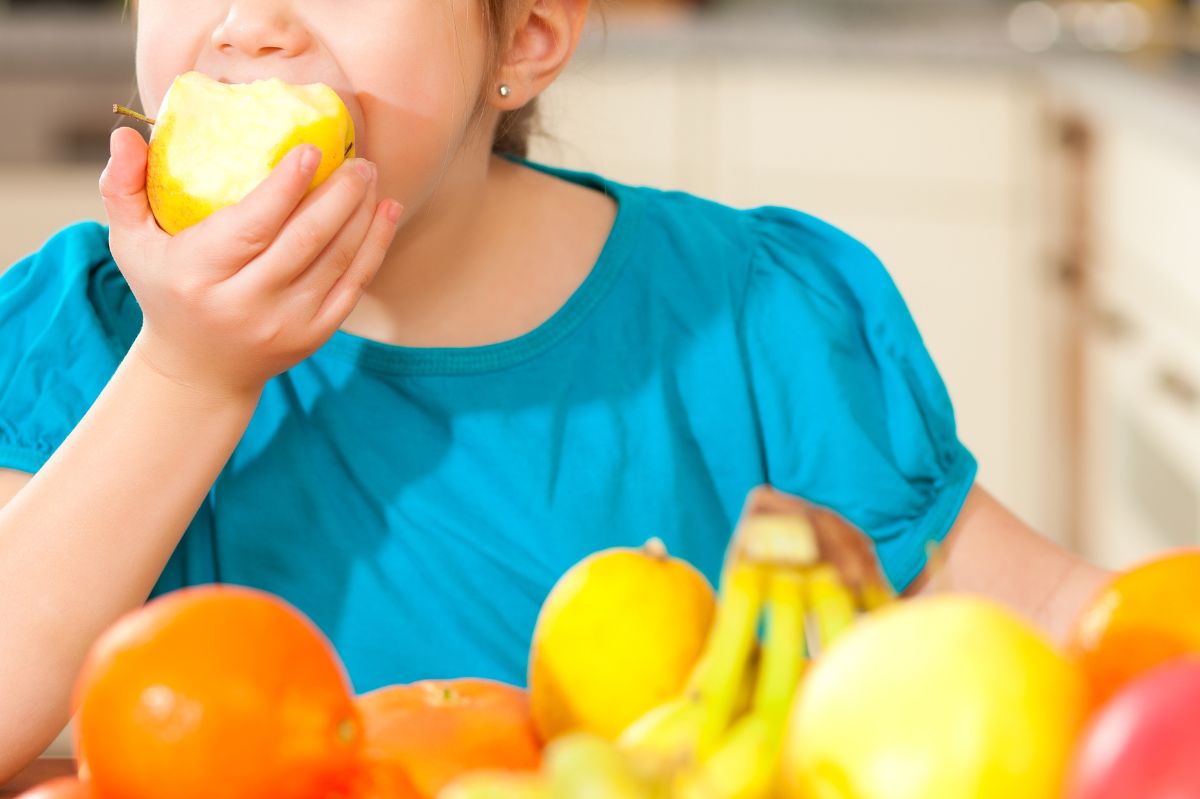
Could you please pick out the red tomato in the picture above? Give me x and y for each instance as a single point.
(1145, 742)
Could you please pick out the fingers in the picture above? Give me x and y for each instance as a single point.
(315, 281)
(236, 234)
(123, 187)
(348, 288)
(314, 225)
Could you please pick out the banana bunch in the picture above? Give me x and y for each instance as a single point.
(721, 738)
(779, 606)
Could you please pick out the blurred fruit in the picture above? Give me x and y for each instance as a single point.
(744, 763)
(216, 691)
(59, 788)
(616, 637)
(1144, 616)
(944, 697)
(437, 730)
(214, 142)
(381, 779)
(497, 785)
(584, 765)
(1145, 743)
(677, 733)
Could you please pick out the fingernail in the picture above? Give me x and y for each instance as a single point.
(365, 169)
(393, 211)
(309, 159)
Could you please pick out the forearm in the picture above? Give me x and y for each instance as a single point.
(993, 553)
(86, 539)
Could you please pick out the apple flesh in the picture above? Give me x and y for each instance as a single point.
(213, 142)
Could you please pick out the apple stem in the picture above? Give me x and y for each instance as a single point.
(129, 112)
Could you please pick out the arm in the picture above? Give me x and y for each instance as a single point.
(990, 551)
(227, 304)
(85, 539)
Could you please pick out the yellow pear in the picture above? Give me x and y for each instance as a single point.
(942, 697)
(213, 142)
(617, 636)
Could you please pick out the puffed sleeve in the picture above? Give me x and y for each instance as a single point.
(66, 319)
(853, 413)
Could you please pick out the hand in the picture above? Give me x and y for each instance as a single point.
(256, 287)
(837, 542)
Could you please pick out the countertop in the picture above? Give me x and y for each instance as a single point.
(41, 770)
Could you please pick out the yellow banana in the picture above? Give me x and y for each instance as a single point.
(831, 604)
(665, 738)
(719, 683)
(672, 735)
(744, 765)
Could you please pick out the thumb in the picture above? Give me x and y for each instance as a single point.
(123, 185)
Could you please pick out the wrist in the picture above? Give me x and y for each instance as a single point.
(194, 385)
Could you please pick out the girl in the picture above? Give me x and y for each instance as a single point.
(410, 425)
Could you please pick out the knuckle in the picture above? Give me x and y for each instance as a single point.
(308, 236)
(340, 258)
(252, 236)
(265, 334)
(186, 289)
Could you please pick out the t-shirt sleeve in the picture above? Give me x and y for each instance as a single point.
(854, 415)
(66, 319)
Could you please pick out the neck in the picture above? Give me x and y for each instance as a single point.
(438, 260)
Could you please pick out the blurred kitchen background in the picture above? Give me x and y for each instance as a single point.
(1029, 172)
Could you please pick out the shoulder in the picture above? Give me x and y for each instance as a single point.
(763, 255)
(70, 283)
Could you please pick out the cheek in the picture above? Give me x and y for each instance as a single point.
(425, 84)
(164, 50)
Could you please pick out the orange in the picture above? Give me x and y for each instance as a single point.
(1142, 617)
(216, 691)
(383, 780)
(59, 788)
(437, 730)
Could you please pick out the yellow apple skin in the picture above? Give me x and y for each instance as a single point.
(944, 697)
(212, 142)
(617, 635)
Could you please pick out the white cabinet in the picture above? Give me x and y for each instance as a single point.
(936, 167)
(1142, 445)
(37, 201)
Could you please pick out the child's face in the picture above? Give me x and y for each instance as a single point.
(409, 71)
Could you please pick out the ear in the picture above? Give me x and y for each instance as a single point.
(542, 43)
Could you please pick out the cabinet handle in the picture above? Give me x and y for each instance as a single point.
(1112, 324)
(1182, 390)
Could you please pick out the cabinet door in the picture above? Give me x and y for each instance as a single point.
(629, 120)
(938, 173)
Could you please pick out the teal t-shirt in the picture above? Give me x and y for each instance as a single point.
(418, 504)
